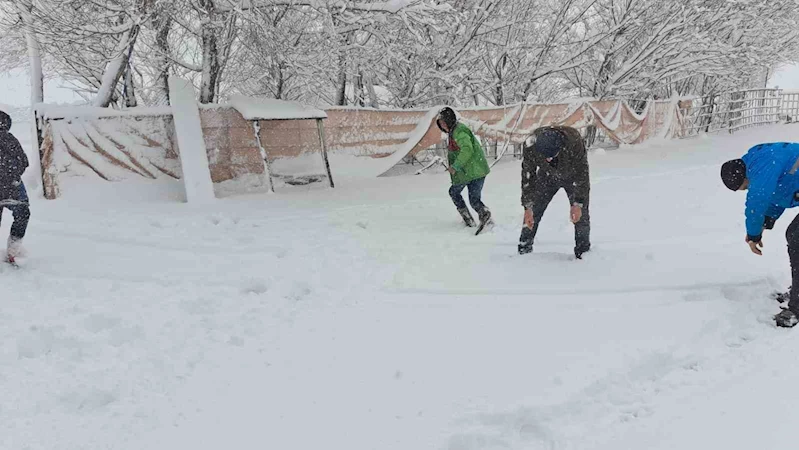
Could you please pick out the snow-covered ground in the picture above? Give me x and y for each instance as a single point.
(366, 317)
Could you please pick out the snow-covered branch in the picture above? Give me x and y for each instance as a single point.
(388, 7)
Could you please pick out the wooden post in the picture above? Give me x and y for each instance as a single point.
(40, 150)
(321, 129)
(50, 187)
(256, 126)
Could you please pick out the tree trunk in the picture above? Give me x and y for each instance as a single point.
(500, 87)
(24, 8)
(374, 102)
(130, 90)
(210, 71)
(341, 84)
(115, 67)
(230, 29)
(210, 65)
(499, 96)
(360, 90)
(341, 81)
(162, 42)
(280, 82)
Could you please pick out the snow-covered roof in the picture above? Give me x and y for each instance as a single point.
(270, 109)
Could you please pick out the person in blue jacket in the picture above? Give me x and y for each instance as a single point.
(769, 173)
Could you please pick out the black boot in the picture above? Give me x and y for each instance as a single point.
(467, 217)
(526, 241)
(485, 220)
(786, 319)
(580, 249)
(485, 216)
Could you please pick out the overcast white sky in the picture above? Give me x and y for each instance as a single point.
(787, 78)
(15, 88)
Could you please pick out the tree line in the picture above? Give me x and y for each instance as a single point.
(398, 53)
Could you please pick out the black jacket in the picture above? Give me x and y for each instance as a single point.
(13, 160)
(570, 167)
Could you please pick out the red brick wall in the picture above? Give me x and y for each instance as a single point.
(233, 150)
(231, 145)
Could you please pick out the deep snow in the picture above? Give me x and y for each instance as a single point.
(366, 317)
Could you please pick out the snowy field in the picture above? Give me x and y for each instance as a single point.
(366, 317)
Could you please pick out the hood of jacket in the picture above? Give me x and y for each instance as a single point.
(5, 122)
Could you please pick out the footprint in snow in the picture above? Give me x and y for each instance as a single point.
(256, 287)
(219, 219)
(299, 292)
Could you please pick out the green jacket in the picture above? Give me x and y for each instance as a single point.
(466, 156)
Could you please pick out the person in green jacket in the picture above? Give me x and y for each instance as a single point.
(468, 167)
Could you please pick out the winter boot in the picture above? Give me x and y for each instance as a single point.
(526, 241)
(786, 319)
(485, 220)
(468, 220)
(579, 250)
(14, 249)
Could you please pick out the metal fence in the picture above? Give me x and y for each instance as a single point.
(733, 111)
(789, 110)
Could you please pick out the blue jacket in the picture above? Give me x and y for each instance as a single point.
(772, 186)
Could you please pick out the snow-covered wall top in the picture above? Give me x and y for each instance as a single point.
(250, 108)
(271, 109)
(46, 111)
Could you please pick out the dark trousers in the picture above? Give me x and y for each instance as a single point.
(792, 236)
(475, 193)
(21, 212)
(544, 192)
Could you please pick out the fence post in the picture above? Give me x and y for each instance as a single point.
(320, 128)
(256, 128)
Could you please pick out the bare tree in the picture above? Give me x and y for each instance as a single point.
(399, 53)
